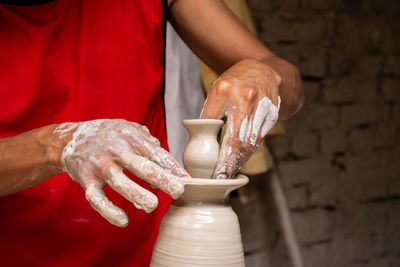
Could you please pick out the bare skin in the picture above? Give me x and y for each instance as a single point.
(251, 76)
(30, 158)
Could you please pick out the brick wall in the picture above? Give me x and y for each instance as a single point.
(340, 159)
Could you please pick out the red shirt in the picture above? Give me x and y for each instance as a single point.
(71, 60)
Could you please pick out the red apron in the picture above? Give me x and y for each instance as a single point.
(76, 61)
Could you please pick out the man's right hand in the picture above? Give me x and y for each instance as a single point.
(100, 150)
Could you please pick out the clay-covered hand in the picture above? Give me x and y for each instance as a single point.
(248, 94)
(99, 152)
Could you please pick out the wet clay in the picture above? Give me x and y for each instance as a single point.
(201, 153)
(201, 229)
(98, 153)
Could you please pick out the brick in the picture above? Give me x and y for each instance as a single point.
(366, 91)
(298, 122)
(341, 253)
(368, 67)
(316, 255)
(313, 117)
(378, 262)
(388, 8)
(363, 177)
(364, 219)
(331, 5)
(323, 192)
(363, 114)
(392, 233)
(289, 52)
(296, 197)
(259, 5)
(394, 187)
(384, 136)
(312, 92)
(375, 187)
(391, 89)
(392, 65)
(333, 141)
(304, 144)
(279, 254)
(340, 91)
(279, 146)
(394, 218)
(391, 169)
(320, 117)
(253, 224)
(396, 113)
(350, 89)
(340, 65)
(270, 29)
(392, 242)
(366, 248)
(313, 225)
(305, 171)
(361, 141)
(304, 31)
(312, 61)
(357, 37)
(389, 44)
(289, 5)
(320, 4)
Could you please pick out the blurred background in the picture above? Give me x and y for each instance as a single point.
(339, 161)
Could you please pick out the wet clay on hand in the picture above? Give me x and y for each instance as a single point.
(248, 95)
(99, 152)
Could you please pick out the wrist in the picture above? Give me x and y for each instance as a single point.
(53, 141)
(290, 89)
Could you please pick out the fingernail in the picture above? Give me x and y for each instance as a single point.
(149, 203)
(176, 188)
(123, 222)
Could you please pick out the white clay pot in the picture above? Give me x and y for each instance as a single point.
(201, 153)
(201, 229)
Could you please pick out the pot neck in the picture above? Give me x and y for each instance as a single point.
(203, 127)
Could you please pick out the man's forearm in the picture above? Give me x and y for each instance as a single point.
(29, 158)
(290, 90)
(220, 39)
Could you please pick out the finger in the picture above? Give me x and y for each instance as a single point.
(134, 129)
(163, 158)
(235, 136)
(149, 137)
(153, 173)
(261, 113)
(105, 207)
(215, 104)
(263, 122)
(254, 131)
(140, 197)
(271, 118)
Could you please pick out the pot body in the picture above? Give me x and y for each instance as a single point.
(201, 229)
